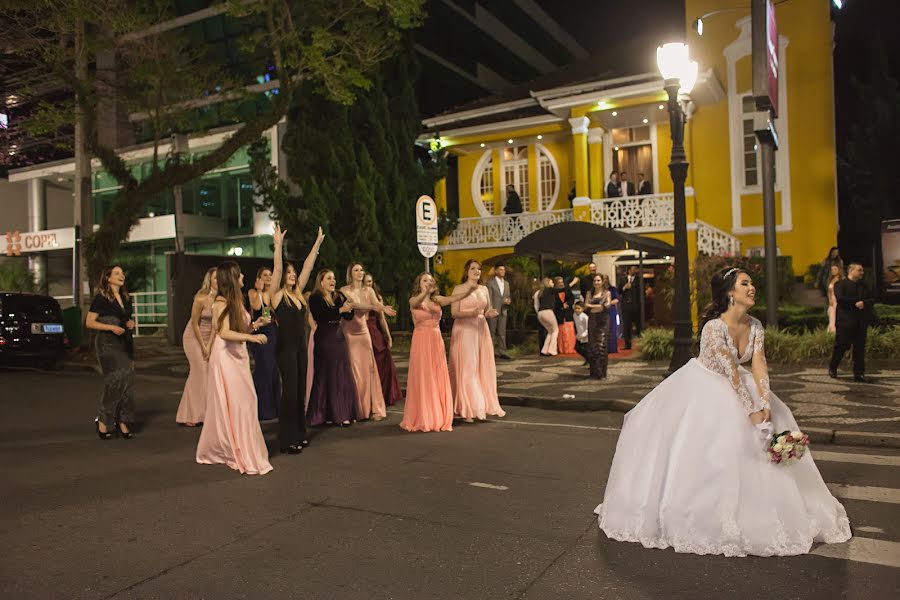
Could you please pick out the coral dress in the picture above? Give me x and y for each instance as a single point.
(473, 372)
(369, 397)
(429, 396)
(231, 433)
(192, 408)
(387, 371)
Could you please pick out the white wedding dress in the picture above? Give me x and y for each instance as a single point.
(690, 471)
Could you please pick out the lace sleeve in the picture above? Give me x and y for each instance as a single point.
(715, 354)
(760, 368)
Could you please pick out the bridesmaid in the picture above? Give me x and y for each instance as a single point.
(196, 341)
(231, 433)
(265, 367)
(381, 344)
(597, 306)
(310, 351)
(613, 315)
(473, 373)
(291, 352)
(429, 396)
(369, 397)
(333, 396)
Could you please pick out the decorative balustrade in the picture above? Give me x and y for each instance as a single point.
(501, 230)
(712, 241)
(636, 214)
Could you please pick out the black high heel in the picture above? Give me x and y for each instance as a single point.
(127, 435)
(304, 443)
(104, 435)
(291, 450)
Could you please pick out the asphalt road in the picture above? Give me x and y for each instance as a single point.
(491, 510)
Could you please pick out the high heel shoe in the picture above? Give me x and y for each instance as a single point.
(104, 435)
(126, 435)
(291, 450)
(304, 443)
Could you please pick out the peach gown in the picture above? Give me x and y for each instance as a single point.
(473, 373)
(369, 397)
(231, 434)
(192, 407)
(429, 396)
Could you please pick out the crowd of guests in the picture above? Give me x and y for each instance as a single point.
(341, 373)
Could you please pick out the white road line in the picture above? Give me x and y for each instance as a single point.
(860, 549)
(864, 492)
(860, 459)
(868, 529)
(509, 422)
(489, 486)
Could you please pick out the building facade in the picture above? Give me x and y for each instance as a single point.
(558, 145)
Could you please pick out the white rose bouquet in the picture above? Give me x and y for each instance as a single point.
(787, 447)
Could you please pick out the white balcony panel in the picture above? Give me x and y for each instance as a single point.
(501, 230)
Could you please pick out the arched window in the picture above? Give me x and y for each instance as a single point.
(514, 162)
(515, 173)
(548, 178)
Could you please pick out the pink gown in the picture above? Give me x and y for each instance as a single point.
(231, 433)
(369, 397)
(192, 408)
(473, 373)
(429, 396)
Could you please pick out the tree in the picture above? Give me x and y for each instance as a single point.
(356, 172)
(122, 53)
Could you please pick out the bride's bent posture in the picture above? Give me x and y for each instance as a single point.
(690, 470)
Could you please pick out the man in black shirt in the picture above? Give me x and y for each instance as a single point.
(630, 305)
(513, 201)
(612, 188)
(852, 318)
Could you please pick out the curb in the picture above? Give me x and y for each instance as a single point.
(818, 435)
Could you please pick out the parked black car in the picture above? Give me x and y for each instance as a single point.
(31, 330)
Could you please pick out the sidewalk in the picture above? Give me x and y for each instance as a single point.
(831, 411)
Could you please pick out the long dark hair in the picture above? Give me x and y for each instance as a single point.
(103, 288)
(722, 283)
(228, 280)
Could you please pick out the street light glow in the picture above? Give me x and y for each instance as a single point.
(540, 137)
(510, 140)
(615, 114)
(646, 121)
(482, 144)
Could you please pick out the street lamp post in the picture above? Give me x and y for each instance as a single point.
(679, 74)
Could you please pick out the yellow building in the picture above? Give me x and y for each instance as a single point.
(547, 140)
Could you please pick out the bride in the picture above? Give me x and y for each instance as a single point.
(690, 470)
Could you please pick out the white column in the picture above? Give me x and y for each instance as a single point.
(37, 221)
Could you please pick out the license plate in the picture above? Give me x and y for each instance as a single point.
(46, 328)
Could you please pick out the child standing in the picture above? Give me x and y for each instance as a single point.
(581, 330)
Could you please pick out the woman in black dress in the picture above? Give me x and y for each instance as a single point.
(597, 306)
(265, 368)
(290, 353)
(111, 316)
(333, 396)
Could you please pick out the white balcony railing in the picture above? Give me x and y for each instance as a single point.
(151, 311)
(637, 214)
(712, 241)
(501, 230)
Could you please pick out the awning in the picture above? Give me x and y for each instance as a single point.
(579, 240)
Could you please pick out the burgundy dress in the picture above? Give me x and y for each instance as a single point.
(333, 395)
(387, 371)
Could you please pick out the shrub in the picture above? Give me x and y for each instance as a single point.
(706, 266)
(15, 277)
(656, 343)
(887, 315)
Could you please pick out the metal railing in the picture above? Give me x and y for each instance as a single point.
(712, 241)
(501, 230)
(635, 214)
(151, 311)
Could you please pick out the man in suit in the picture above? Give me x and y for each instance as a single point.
(644, 186)
(612, 188)
(625, 186)
(852, 318)
(498, 290)
(586, 283)
(630, 304)
(513, 201)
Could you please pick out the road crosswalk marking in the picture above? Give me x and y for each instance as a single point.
(859, 459)
(861, 549)
(865, 492)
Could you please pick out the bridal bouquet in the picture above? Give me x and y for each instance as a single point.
(787, 447)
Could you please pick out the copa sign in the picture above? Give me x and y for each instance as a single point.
(16, 243)
(426, 226)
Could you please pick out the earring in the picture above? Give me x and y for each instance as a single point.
(731, 300)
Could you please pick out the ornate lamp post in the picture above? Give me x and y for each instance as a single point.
(680, 74)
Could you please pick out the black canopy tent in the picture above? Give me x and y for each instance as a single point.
(579, 240)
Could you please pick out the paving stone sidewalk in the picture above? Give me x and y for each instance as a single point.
(839, 411)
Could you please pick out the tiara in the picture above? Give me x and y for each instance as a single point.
(729, 272)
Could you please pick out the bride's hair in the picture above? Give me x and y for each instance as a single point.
(722, 283)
